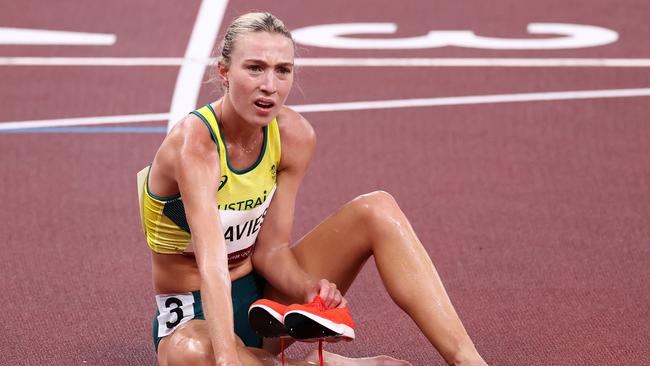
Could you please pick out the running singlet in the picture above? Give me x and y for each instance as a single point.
(243, 198)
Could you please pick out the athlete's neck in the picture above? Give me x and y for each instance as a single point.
(235, 128)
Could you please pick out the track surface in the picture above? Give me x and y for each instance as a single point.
(536, 214)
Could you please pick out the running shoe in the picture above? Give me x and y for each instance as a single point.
(314, 321)
(265, 317)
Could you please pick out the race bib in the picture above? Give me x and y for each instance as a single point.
(174, 310)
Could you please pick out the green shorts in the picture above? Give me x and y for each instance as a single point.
(176, 309)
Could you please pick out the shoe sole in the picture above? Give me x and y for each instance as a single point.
(266, 322)
(303, 325)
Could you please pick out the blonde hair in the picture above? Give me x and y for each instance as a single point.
(253, 22)
(250, 22)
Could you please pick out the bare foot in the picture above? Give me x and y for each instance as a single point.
(333, 359)
(480, 362)
(468, 359)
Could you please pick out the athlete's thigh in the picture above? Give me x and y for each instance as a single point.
(338, 247)
(185, 339)
(189, 341)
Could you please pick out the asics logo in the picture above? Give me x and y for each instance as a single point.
(224, 179)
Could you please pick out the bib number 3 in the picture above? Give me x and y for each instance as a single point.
(178, 310)
(174, 310)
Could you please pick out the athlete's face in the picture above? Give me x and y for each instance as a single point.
(259, 76)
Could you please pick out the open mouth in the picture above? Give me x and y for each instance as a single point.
(264, 104)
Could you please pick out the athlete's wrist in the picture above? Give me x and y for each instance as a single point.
(310, 289)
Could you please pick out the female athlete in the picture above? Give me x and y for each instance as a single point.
(211, 261)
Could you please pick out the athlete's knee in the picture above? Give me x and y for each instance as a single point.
(186, 348)
(377, 208)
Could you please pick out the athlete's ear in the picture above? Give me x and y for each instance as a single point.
(223, 73)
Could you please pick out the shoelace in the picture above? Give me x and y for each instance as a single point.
(282, 338)
(320, 351)
(317, 303)
(320, 305)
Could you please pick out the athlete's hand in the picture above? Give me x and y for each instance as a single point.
(330, 295)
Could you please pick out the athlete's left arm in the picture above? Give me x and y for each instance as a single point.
(273, 257)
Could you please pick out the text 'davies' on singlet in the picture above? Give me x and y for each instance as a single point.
(243, 198)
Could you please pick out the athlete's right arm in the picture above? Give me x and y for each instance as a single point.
(197, 173)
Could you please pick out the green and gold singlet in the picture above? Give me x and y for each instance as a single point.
(243, 199)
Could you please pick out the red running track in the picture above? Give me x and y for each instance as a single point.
(536, 214)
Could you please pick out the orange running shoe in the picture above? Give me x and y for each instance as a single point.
(265, 317)
(314, 321)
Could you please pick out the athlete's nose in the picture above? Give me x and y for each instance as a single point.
(269, 84)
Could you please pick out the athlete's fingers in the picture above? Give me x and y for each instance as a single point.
(332, 301)
(337, 299)
(343, 303)
(328, 292)
(325, 289)
(327, 297)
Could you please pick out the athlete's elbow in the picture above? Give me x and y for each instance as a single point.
(258, 259)
(263, 259)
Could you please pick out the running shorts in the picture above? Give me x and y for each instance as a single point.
(176, 309)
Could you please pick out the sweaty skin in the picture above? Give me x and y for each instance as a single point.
(324, 262)
(188, 162)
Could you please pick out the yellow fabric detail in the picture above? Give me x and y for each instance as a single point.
(141, 178)
(239, 190)
(162, 234)
(255, 183)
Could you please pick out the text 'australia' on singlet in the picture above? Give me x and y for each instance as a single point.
(242, 198)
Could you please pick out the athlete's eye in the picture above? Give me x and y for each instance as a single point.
(284, 70)
(254, 68)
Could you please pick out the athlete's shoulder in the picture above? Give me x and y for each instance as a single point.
(189, 139)
(191, 131)
(297, 137)
(294, 128)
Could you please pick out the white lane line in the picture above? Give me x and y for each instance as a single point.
(84, 121)
(472, 99)
(24, 36)
(93, 61)
(366, 105)
(474, 62)
(337, 62)
(190, 76)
